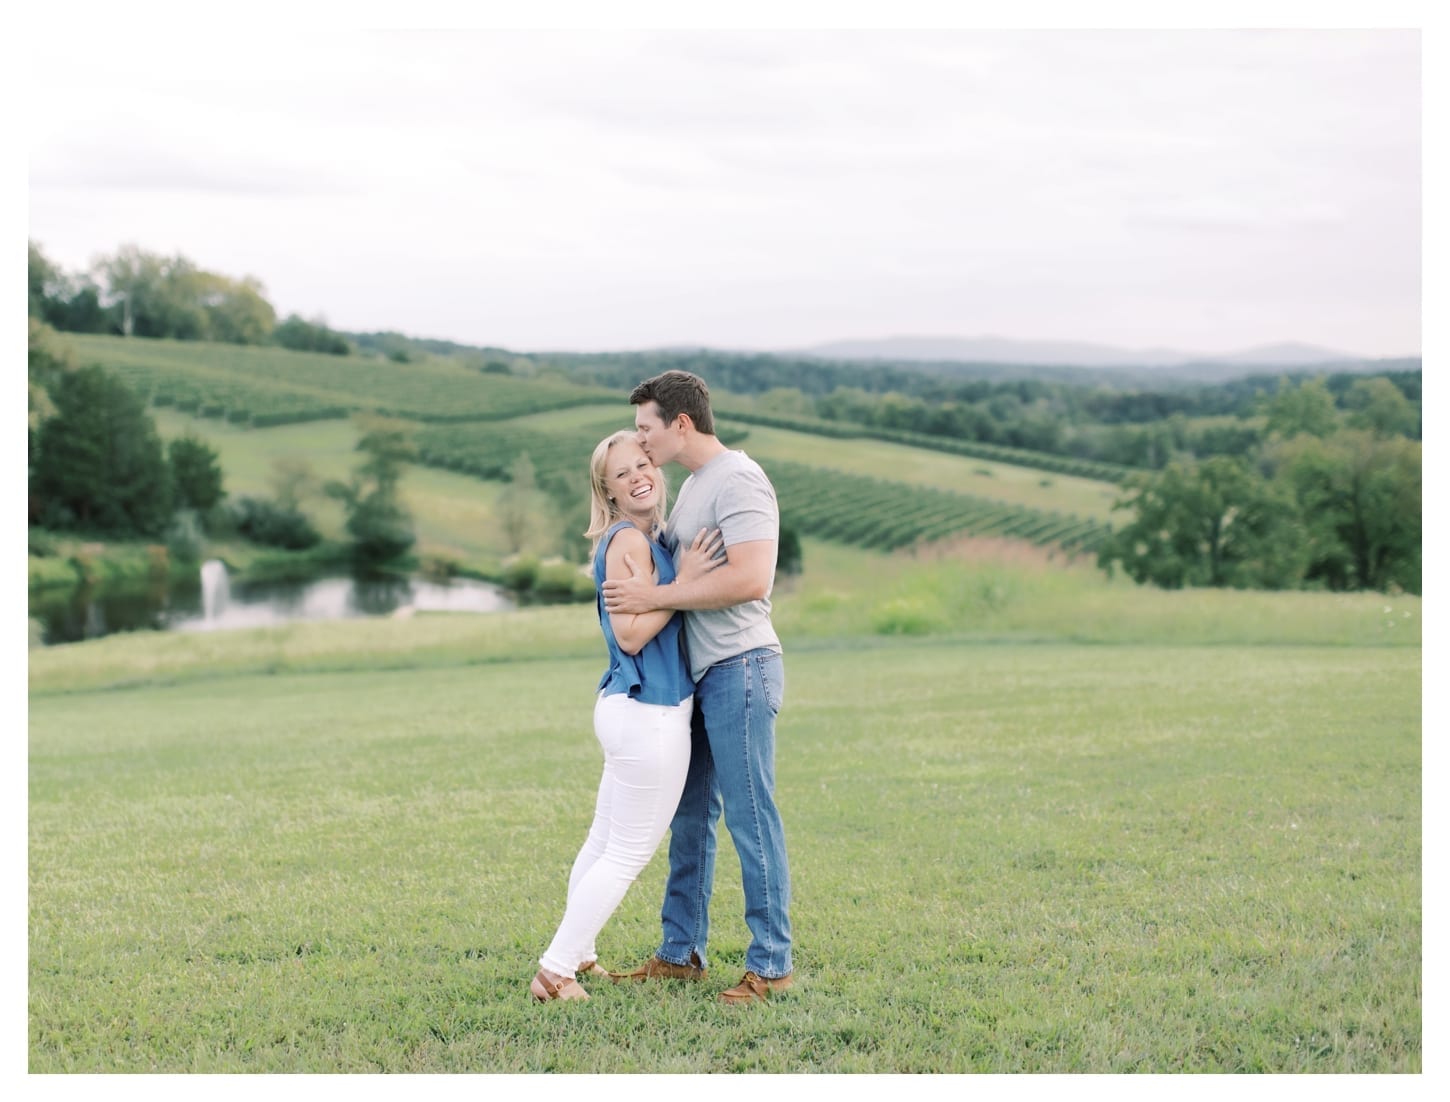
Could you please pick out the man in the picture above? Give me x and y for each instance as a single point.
(735, 660)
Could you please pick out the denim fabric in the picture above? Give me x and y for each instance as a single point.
(732, 767)
(660, 672)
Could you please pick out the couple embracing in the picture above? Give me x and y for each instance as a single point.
(685, 714)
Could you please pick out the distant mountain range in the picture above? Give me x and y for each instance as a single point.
(1000, 350)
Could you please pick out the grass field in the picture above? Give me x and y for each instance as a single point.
(332, 848)
(1040, 820)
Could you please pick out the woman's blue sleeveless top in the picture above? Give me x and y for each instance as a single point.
(659, 673)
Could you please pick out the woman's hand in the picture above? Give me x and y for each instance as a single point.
(702, 556)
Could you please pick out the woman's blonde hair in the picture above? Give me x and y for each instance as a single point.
(602, 512)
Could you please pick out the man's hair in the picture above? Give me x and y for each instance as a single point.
(677, 392)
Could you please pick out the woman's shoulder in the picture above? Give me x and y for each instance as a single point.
(624, 540)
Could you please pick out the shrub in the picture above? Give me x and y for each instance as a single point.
(521, 574)
(185, 537)
(555, 580)
(196, 473)
(906, 616)
(273, 525)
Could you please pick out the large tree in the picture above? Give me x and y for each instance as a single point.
(71, 303)
(236, 310)
(519, 505)
(99, 464)
(196, 473)
(1360, 495)
(310, 336)
(160, 296)
(1215, 523)
(151, 295)
(45, 279)
(1381, 407)
(380, 525)
(1308, 408)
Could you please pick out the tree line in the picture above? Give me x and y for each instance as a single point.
(1095, 420)
(1327, 499)
(138, 293)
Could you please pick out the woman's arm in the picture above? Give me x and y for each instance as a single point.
(632, 630)
(745, 575)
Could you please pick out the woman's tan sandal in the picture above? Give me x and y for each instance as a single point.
(546, 990)
(591, 968)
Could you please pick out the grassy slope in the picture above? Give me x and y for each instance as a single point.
(899, 463)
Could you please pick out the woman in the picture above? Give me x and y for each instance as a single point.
(641, 715)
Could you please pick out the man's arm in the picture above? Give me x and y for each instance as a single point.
(746, 575)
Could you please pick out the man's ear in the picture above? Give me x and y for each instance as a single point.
(684, 420)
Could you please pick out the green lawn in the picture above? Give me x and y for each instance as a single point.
(341, 848)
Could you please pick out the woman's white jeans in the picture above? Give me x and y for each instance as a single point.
(646, 754)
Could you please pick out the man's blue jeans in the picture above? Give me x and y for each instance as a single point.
(732, 766)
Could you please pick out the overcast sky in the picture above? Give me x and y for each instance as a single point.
(1208, 191)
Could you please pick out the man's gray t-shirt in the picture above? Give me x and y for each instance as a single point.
(730, 493)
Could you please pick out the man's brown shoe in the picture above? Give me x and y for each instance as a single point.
(754, 989)
(656, 969)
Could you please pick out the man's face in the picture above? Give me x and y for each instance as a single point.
(661, 442)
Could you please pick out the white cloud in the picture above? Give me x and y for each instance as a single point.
(612, 189)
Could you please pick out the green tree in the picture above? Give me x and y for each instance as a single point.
(142, 286)
(48, 360)
(159, 296)
(380, 525)
(99, 463)
(1382, 408)
(70, 303)
(785, 401)
(272, 524)
(236, 311)
(45, 279)
(519, 504)
(1361, 496)
(788, 558)
(196, 473)
(1215, 523)
(293, 481)
(1305, 409)
(570, 512)
(310, 336)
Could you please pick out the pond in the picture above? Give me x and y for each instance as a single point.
(214, 602)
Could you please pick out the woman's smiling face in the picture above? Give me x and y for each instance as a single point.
(632, 480)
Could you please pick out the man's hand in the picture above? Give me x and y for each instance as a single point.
(638, 593)
(633, 595)
(702, 556)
